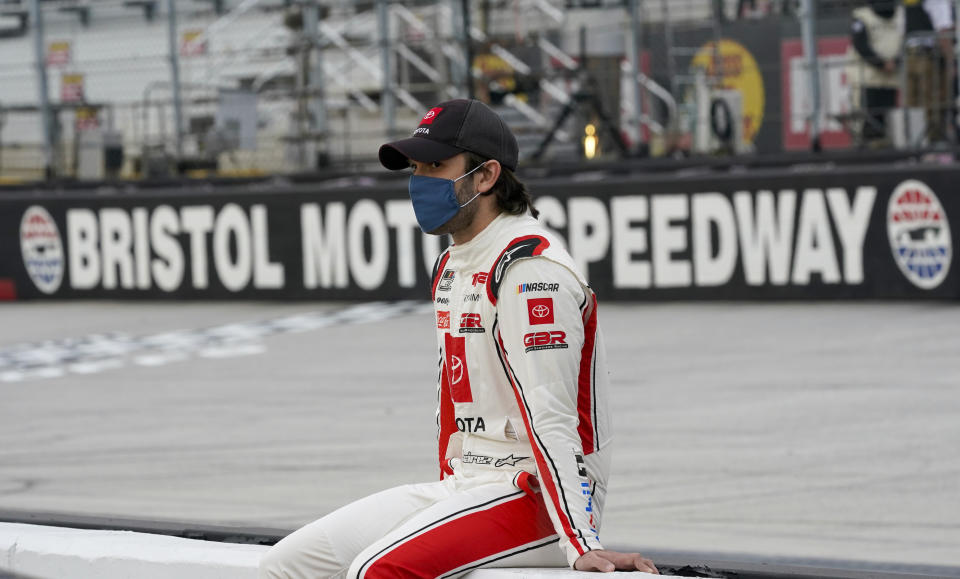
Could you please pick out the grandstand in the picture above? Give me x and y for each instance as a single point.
(312, 96)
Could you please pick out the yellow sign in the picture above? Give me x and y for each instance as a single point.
(737, 70)
(498, 75)
(71, 88)
(191, 43)
(86, 118)
(58, 53)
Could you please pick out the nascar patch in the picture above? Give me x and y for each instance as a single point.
(446, 280)
(537, 287)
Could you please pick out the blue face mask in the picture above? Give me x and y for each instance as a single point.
(435, 199)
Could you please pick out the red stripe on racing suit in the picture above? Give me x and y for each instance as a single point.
(585, 380)
(465, 540)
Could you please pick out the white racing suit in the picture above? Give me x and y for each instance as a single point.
(523, 427)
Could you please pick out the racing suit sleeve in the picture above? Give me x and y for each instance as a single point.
(545, 341)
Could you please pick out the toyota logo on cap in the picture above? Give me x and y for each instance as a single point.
(431, 114)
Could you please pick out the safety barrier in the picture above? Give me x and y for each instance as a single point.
(52, 545)
(822, 232)
(51, 552)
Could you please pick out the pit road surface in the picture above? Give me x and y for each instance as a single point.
(797, 430)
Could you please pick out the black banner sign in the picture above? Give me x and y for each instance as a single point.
(883, 233)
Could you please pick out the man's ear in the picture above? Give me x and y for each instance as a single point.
(487, 176)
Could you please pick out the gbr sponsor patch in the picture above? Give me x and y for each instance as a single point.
(555, 340)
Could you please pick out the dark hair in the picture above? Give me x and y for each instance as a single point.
(512, 195)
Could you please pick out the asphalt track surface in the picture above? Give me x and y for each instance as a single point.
(791, 430)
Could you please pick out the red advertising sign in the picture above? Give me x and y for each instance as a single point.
(835, 102)
(71, 88)
(58, 53)
(86, 119)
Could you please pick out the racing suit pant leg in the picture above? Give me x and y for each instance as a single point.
(324, 548)
(485, 524)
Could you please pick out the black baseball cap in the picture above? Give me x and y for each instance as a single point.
(450, 128)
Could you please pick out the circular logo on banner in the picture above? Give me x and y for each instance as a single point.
(919, 234)
(42, 249)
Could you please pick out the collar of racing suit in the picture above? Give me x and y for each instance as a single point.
(477, 249)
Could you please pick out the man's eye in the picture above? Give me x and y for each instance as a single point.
(435, 164)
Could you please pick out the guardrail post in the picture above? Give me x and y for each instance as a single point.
(39, 51)
(387, 103)
(636, 46)
(467, 46)
(174, 50)
(808, 24)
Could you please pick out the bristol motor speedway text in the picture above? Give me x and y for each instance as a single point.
(784, 237)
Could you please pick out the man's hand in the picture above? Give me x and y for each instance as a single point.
(608, 561)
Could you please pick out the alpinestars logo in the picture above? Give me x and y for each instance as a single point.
(470, 458)
(509, 460)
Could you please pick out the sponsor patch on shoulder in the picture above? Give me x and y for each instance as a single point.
(537, 287)
(540, 311)
(555, 340)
